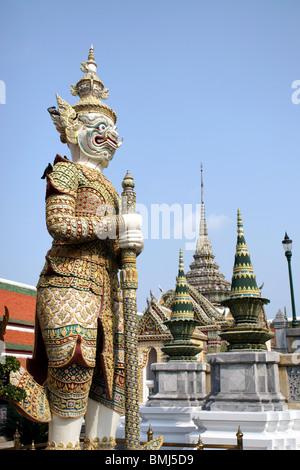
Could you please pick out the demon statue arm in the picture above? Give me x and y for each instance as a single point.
(63, 205)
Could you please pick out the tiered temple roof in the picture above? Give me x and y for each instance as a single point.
(204, 272)
(158, 311)
(206, 286)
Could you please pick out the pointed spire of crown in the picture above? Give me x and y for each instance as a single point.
(91, 57)
(91, 90)
(243, 282)
(182, 305)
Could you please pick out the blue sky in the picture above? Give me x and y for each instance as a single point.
(200, 80)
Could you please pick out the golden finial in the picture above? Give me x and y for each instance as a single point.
(199, 445)
(16, 437)
(91, 53)
(128, 181)
(239, 222)
(150, 433)
(32, 446)
(90, 66)
(181, 264)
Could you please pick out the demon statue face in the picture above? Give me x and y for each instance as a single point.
(88, 127)
(98, 137)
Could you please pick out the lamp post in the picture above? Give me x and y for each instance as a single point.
(287, 246)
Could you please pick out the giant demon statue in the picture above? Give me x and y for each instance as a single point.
(77, 370)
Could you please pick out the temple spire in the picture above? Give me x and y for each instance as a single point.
(201, 166)
(204, 273)
(203, 234)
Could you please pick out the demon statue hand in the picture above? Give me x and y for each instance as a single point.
(79, 321)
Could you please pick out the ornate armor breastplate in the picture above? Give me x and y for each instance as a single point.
(77, 199)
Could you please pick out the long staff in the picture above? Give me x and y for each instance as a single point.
(129, 285)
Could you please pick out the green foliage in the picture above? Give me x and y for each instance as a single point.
(10, 392)
(28, 430)
(11, 364)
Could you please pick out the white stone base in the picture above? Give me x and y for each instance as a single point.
(267, 430)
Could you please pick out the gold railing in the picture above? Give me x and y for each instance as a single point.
(197, 446)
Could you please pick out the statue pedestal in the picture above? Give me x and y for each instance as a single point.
(245, 393)
(245, 381)
(267, 430)
(179, 384)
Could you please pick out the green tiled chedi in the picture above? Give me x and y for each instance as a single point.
(243, 282)
(182, 323)
(182, 307)
(245, 302)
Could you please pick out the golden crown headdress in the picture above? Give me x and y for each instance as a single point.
(90, 90)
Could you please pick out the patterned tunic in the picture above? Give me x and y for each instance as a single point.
(78, 301)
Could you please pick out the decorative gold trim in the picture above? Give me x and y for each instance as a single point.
(61, 446)
(97, 444)
(155, 444)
